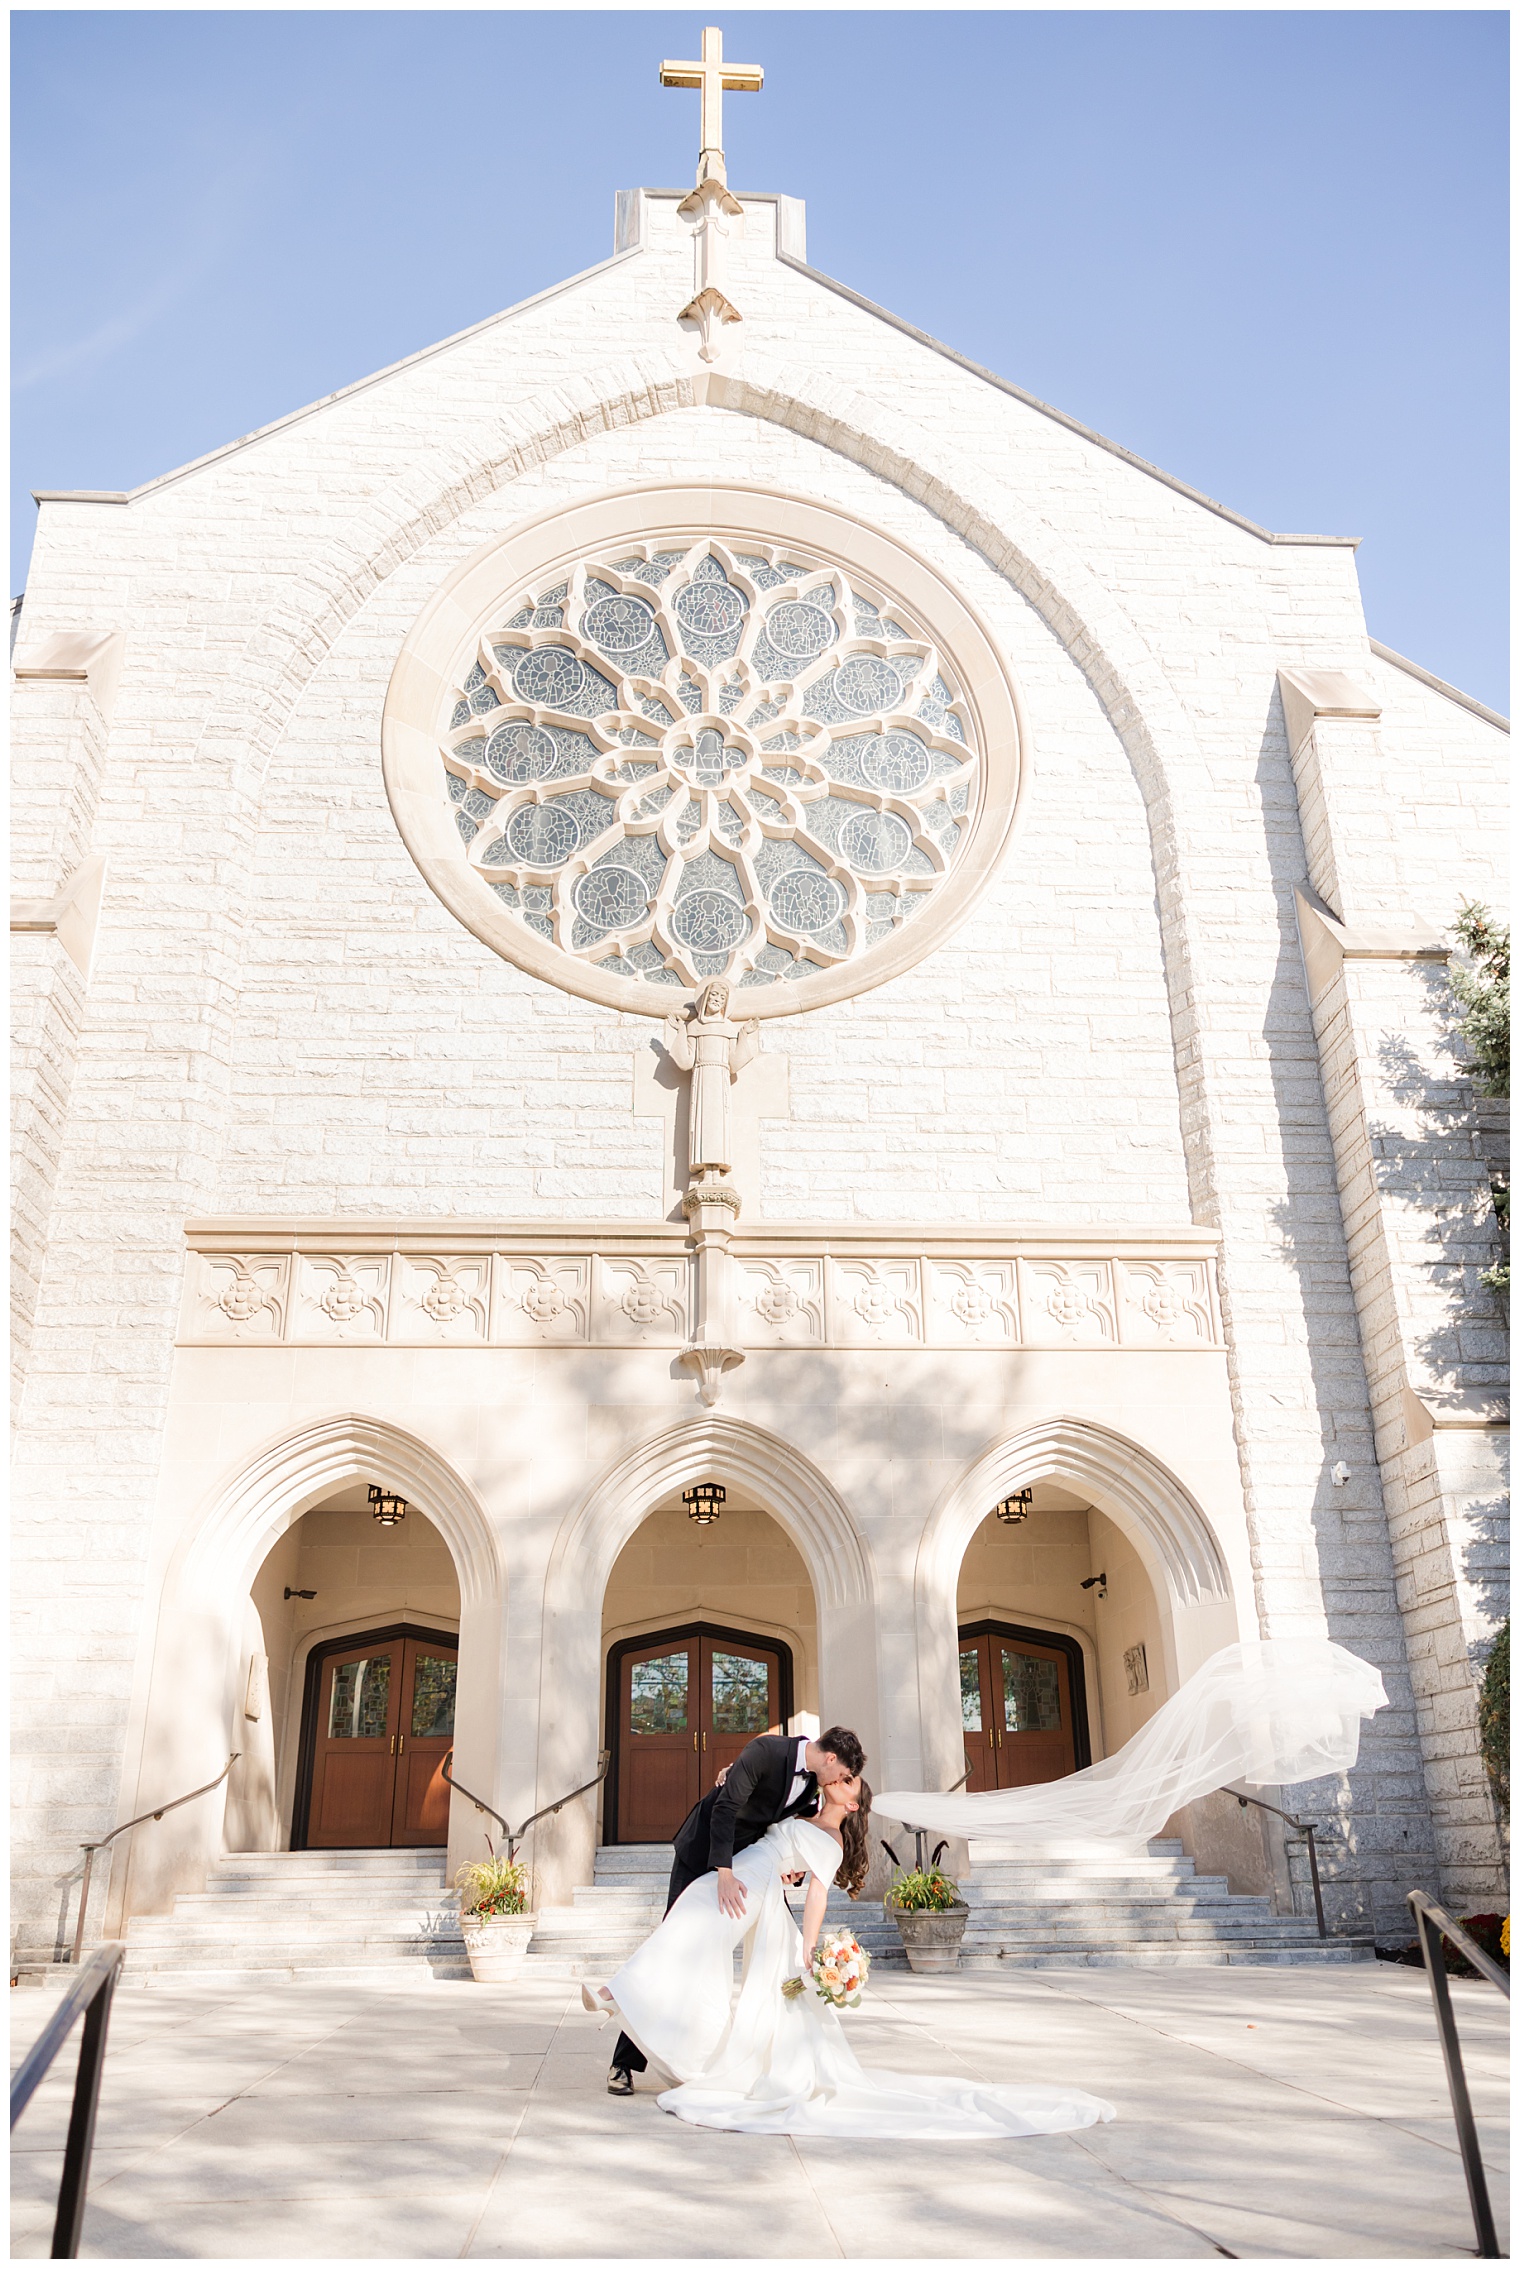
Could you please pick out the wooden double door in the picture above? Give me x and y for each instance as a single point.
(681, 1706)
(380, 1723)
(1023, 1709)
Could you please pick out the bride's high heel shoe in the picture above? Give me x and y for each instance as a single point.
(599, 2001)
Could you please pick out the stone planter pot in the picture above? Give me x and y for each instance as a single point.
(496, 1944)
(931, 1940)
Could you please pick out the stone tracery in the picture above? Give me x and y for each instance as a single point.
(675, 765)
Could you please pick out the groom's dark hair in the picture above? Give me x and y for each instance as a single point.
(840, 1742)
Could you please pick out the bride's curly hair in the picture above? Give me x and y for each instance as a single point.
(855, 1828)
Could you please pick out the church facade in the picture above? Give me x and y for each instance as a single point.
(721, 1026)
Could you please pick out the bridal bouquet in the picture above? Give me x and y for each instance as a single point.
(838, 1971)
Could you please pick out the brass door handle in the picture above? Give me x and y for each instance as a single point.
(704, 1745)
(393, 1745)
(401, 1751)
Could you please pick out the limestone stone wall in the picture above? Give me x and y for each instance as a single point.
(1126, 1616)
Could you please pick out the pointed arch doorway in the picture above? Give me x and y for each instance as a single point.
(376, 1725)
(1023, 1704)
(681, 1704)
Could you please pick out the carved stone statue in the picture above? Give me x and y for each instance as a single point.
(709, 1045)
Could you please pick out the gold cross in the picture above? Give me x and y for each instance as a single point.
(712, 75)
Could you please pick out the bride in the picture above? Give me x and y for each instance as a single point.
(771, 2065)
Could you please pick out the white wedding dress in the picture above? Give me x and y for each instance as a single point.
(769, 2065)
(1266, 1711)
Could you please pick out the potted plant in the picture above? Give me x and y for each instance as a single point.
(930, 1915)
(494, 1917)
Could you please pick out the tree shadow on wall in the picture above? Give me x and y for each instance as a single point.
(1439, 1159)
(1434, 1160)
(1379, 1812)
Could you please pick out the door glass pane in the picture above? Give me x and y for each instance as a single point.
(741, 1694)
(659, 1694)
(433, 1694)
(1031, 1694)
(971, 1691)
(361, 1699)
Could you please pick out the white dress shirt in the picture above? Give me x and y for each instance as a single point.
(799, 1772)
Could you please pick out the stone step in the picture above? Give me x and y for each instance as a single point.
(341, 1916)
(1162, 1934)
(630, 1894)
(572, 1931)
(316, 1946)
(1059, 1881)
(280, 1953)
(378, 1861)
(261, 1970)
(1165, 1957)
(1032, 1868)
(575, 1922)
(401, 1884)
(1122, 1915)
(36, 1965)
(1112, 1888)
(207, 1907)
(585, 1930)
(1118, 1890)
(387, 1915)
(1083, 1852)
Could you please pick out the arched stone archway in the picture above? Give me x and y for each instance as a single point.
(274, 1488)
(1159, 1516)
(713, 1448)
(193, 1717)
(566, 1695)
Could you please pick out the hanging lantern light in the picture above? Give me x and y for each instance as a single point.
(705, 1502)
(1015, 1507)
(387, 1507)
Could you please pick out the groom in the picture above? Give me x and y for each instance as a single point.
(776, 1776)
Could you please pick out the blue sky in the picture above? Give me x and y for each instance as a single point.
(1265, 250)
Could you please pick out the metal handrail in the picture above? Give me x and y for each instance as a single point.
(920, 1833)
(515, 1836)
(1426, 1913)
(90, 1850)
(1305, 1828)
(88, 1997)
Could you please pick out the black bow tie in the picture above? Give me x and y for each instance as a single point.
(805, 1795)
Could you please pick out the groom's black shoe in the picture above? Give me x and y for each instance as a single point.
(620, 2081)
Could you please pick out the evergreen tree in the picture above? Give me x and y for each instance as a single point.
(1481, 984)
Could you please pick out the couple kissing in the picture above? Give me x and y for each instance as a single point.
(777, 1776)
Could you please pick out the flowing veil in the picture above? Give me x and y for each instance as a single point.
(1264, 1711)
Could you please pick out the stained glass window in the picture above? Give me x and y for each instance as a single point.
(741, 1688)
(710, 857)
(433, 1694)
(1031, 1694)
(971, 1691)
(361, 1699)
(659, 1694)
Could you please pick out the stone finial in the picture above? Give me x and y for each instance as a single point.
(710, 204)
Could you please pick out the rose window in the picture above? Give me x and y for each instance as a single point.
(671, 764)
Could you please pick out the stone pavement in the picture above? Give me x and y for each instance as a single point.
(1263, 2114)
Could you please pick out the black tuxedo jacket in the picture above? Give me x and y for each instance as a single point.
(752, 1799)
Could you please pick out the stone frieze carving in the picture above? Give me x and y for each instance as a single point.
(572, 1287)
